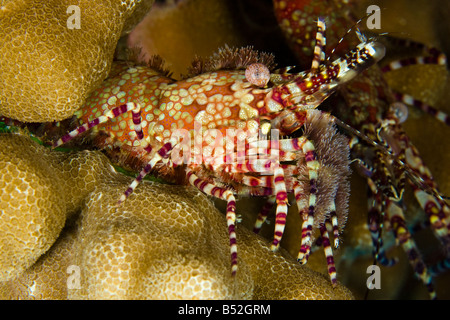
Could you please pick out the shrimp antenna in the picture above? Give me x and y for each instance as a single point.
(361, 36)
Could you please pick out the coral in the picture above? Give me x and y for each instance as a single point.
(164, 242)
(177, 248)
(40, 194)
(48, 277)
(47, 68)
(32, 206)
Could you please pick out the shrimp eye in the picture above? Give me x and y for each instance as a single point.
(257, 74)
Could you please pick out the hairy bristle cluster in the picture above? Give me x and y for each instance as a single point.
(333, 176)
(155, 62)
(230, 58)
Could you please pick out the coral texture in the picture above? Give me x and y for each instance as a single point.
(41, 190)
(164, 242)
(49, 63)
(32, 208)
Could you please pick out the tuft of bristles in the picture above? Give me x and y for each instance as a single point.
(333, 153)
(230, 58)
(156, 62)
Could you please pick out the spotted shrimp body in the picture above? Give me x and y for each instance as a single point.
(174, 129)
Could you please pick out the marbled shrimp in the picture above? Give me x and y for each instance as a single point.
(139, 112)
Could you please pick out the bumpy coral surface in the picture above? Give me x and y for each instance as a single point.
(54, 53)
(32, 208)
(165, 242)
(41, 190)
(49, 277)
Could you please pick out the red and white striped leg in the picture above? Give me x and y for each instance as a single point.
(307, 209)
(436, 209)
(307, 147)
(328, 254)
(135, 108)
(403, 236)
(110, 114)
(433, 56)
(334, 223)
(162, 153)
(137, 120)
(319, 53)
(281, 212)
(224, 194)
(376, 222)
(410, 100)
(436, 215)
(276, 184)
(308, 221)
